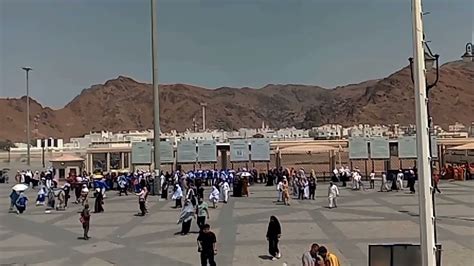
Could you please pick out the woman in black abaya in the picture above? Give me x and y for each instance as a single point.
(99, 201)
(273, 236)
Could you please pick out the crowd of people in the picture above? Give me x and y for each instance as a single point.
(187, 191)
(457, 171)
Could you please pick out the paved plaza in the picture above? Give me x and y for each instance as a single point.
(120, 238)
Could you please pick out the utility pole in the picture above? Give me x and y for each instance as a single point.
(156, 98)
(28, 131)
(427, 240)
(203, 105)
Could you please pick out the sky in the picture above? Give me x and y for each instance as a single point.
(73, 44)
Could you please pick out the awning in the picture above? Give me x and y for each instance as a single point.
(467, 146)
(67, 158)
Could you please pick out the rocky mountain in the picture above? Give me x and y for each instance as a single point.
(125, 104)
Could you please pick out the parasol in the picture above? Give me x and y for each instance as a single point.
(20, 187)
(97, 176)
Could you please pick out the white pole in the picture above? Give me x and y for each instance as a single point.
(203, 105)
(156, 97)
(28, 131)
(428, 249)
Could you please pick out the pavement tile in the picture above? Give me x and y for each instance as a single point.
(97, 247)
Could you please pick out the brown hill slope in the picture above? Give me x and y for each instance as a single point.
(124, 104)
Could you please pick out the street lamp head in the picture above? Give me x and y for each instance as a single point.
(27, 68)
(430, 61)
(430, 58)
(468, 56)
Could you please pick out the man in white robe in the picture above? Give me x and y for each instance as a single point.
(399, 181)
(305, 188)
(225, 188)
(279, 189)
(214, 196)
(333, 193)
(384, 187)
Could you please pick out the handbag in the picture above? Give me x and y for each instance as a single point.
(81, 219)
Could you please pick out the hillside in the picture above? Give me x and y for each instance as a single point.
(124, 104)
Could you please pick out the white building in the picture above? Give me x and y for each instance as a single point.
(330, 131)
(369, 131)
(457, 127)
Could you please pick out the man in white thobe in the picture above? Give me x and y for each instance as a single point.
(333, 193)
(400, 177)
(225, 189)
(384, 187)
(279, 189)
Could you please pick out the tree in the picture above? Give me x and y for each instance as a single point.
(6, 145)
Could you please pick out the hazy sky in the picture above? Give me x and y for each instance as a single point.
(72, 44)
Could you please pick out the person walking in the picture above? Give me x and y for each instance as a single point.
(13, 197)
(372, 179)
(207, 242)
(177, 195)
(191, 194)
(312, 187)
(67, 190)
(384, 186)
(214, 196)
(279, 191)
(164, 189)
(285, 192)
(99, 201)
(411, 181)
(333, 193)
(21, 203)
(142, 200)
(225, 190)
(273, 236)
(399, 180)
(41, 198)
(186, 217)
(85, 220)
(202, 212)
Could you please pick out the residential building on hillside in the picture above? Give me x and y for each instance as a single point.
(330, 131)
(457, 127)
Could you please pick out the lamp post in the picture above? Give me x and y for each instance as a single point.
(421, 88)
(156, 98)
(28, 137)
(468, 55)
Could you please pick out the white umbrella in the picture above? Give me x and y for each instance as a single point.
(20, 187)
(245, 174)
(97, 176)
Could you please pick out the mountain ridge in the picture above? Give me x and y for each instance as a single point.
(126, 104)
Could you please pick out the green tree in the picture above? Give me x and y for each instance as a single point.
(6, 145)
